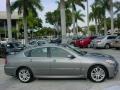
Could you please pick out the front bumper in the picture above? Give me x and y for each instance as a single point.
(113, 70)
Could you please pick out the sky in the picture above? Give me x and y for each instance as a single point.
(51, 5)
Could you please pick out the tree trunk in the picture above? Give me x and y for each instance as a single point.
(63, 21)
(96, 27)
(112, 16)
(88, 31)
(105, 27)
(77, 28)
(25, 30)
(9, 20)
(73, 21)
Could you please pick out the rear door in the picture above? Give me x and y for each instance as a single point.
(39, 61)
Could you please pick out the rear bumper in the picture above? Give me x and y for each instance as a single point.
(100, 45)
(11, 71)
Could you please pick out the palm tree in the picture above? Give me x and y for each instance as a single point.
(78, 16)
(107, 5)
(112, 15)
(95, 15)
(24, 6)
(73, 4)
(9, 20)
(63, 20)
(117, 6)
(88, 31)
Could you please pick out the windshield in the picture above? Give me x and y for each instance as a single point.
(76, 50)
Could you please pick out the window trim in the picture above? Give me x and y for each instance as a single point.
(29, 51)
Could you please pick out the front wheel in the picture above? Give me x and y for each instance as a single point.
(25, 75)
(97, 74)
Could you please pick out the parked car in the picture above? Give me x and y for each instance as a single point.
(35, 43)
(116, 43)
(84, 42)
(74, 38)
(60, 61)
(12, 47)
(103, 41)
(56, 40)
(2, 51)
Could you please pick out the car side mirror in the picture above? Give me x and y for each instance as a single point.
(71, 56)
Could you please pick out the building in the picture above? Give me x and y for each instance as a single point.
(3, 21)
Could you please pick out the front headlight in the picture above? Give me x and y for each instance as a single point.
(110, 61)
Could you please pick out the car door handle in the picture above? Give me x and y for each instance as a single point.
(54, 60)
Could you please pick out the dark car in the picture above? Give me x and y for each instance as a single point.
(56, 40)
(2, 51)
(12, 47)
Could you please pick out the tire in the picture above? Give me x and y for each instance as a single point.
(97, 76)
(25, 75)
(107, 46)
(117, 48)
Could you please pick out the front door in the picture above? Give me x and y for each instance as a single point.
(63, 65)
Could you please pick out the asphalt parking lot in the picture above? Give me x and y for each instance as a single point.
(10, 83)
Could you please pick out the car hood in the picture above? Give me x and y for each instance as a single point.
(99, 55)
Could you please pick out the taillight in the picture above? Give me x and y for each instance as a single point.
(98, 41)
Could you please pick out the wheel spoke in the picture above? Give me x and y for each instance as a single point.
(24, 75)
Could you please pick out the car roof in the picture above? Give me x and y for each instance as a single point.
(45, 45)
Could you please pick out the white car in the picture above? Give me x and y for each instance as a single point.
(103, 41)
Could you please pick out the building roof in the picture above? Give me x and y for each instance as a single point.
(3, 15)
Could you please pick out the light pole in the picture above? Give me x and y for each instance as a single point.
(63, 20)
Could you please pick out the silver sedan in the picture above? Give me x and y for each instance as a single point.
(52, 61)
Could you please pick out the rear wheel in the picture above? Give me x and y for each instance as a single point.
(24, 75)
(97, 73)
(107, 46)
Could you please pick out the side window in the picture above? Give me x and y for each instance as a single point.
(58, 52)
(111, 37)
(39, 52)
(119, 37)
